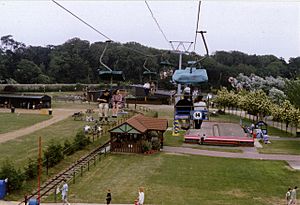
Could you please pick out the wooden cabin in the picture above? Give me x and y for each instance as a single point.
(130, 135)
(25, 101)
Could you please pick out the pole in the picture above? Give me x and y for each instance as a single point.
(40, 170)
(179, 85)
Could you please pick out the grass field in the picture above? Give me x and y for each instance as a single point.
(74, 105)
(20, 150)
(174, 179)
(15, 121)
(281, 147)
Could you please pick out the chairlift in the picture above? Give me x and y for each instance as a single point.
(148, 73)
(109, 74)
(192, 75)
(167, 69)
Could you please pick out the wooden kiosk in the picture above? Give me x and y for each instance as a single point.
(130, 135)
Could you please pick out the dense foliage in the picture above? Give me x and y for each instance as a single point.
(259, 104)
(15, 176)
(77, 61)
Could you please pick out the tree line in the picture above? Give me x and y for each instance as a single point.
(259, 104)
(77, 61)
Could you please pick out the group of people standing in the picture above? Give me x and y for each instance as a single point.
(107, 101)
(290, 196)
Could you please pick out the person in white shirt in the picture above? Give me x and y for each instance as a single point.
(199, 105)
(141, 196)
(64, 192)
(293, 196)
(288, 196)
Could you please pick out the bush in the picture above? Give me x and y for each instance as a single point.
(146, 146)
(31, 170)
(80, 140)
(68, 148)
(156, 144)
(53, 154)
(15, 176)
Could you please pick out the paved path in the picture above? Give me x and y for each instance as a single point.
(58, 115)
(293, 160)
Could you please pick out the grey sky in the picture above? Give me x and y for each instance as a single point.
(250, 27)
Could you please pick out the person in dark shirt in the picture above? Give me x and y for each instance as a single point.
(183, 108)
(108, 197)
(104, 100)
(185, 105)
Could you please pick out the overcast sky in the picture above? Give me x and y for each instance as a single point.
(251, 27)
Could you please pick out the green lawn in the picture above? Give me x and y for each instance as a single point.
(15, 121)
(170, 140)
(74, 105)
(175, 179)
(20, 150)
(281, 147)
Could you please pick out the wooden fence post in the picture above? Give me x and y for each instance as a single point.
(55, 194)
(74, 176)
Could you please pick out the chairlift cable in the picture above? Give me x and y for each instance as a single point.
(159, 27)
(96, 30)
(198, 18)
(80, 19)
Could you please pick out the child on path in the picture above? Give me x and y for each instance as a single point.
(108, 197)
(141, 196)
(288, 196)
(294, 196)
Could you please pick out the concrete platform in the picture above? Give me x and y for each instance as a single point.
(225, 129)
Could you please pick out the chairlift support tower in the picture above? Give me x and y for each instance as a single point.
(182, 47)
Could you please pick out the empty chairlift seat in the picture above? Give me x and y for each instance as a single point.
(190, 76)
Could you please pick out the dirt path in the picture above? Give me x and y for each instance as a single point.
(58, 115)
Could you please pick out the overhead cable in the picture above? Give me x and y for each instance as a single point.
(100, 33)
(80, 19)
(159, 27)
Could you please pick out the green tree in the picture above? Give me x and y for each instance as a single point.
(53, 154)
(27, 72)
(15, 176)
(292, 91)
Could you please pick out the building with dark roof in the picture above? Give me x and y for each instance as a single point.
(130, 135)
(25, 101)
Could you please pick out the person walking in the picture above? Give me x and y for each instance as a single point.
(288, 196)
(294, 196)
(141, 196)
(108, 197)
(64, 192)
